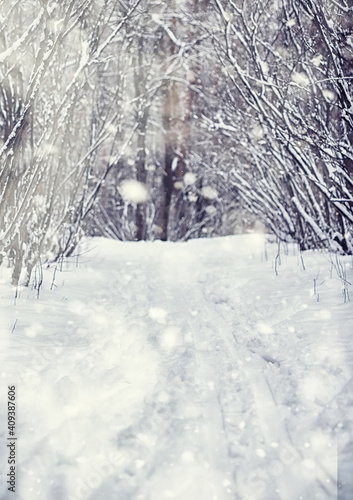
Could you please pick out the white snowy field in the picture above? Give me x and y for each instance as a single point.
(186, 371)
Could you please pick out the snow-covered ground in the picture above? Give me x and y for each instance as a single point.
(186, 371)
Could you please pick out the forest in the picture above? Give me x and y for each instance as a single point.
(173, 120)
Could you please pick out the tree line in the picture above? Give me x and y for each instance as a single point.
(149, 119)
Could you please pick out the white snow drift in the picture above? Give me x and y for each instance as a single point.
(182, 371)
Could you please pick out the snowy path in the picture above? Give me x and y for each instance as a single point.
(184, 371)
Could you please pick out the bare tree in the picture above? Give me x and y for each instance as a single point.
(47, 87)
(289, 79)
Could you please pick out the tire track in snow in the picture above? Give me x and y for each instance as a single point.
(237, 403)
(229, 398)
(179, 417)
(203, 434)
(215, 434)
(281, 473)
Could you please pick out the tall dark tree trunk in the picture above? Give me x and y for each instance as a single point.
(176, 124)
